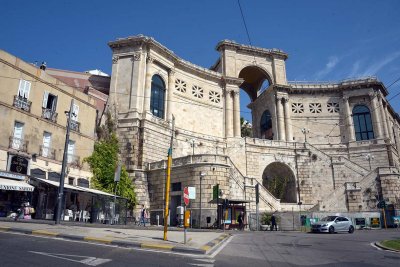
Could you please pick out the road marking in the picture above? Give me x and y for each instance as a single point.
(223, 245)
(206, 260)
(203, 265)
(87, 260)
(375, 246)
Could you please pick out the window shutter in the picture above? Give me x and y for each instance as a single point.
(71, 147)
(54, 105)
(45, 98)
(75, 112)
(18, 127)
(46, 139)
(21, 88)
(27, 89)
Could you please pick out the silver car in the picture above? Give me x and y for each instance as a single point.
(333, 224)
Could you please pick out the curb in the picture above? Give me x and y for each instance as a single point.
(378, 244)
(205, 249)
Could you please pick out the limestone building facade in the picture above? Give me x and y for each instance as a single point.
(318, 146)
(33, 128)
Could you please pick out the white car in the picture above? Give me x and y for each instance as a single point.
(333, 224)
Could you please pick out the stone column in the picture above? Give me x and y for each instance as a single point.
(236, 113)
(288, 123)
(280, 119)
(397, 136)
(171, 83)
(383, 116)
(228, 113)
(147, 87)
(389, 127)
(376, 122)
(348, 119)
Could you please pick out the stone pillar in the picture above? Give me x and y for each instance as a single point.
(171, 83)
(384, 118)
(236, 113)
(228, 113)
(348, 119)
(375, 115)
(397, 136)
(389, 127)
(147, 87)
(280, 119)
(288, 123)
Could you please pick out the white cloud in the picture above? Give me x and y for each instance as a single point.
(376, 67)
(330, 65)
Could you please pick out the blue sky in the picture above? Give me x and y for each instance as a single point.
(325, 40)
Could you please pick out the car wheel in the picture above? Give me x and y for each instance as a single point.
(351, 229)
(331, 230)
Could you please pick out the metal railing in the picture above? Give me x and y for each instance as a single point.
(75, 126)
(47, 152)
(49, 114)
(18, 144)
(22, 103)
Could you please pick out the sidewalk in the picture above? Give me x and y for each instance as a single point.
(197, 242)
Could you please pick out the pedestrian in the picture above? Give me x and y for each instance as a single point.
(273, 223)
(240, 221)
(143, 214)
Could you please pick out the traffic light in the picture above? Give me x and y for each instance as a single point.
(257, 193)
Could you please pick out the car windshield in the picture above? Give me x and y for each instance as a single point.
(328, 219)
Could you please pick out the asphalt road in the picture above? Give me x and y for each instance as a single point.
(306, 249)
(243, 249)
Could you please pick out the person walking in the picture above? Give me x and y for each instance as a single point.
(273, 223)
(143, 215)
(240, 221)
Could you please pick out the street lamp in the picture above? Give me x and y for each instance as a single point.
(202, 174)
(369, 157)
(305, 131)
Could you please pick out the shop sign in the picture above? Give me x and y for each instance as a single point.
(19, 164)
(16, 188)
(12, 175)
(375, 222)
(360, 221)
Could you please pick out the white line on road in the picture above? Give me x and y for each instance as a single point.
(218, 250)
(87, 260)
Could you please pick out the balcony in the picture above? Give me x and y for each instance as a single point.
(73, 161)
(22, 103)
(75, 126)
(47, 152)
(49, 114)
(18, 144)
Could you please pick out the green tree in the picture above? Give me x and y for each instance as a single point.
(103, 163)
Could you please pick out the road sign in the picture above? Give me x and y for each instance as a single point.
(186, 196)
(192, 192)
(381, 204)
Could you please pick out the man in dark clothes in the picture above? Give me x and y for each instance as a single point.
(273, 223)
(240, 221)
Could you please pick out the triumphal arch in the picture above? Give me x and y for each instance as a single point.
(316, 146)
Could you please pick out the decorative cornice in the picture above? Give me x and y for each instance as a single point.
(115, 59)
(136, 56)
(232, 45)
(232, 81)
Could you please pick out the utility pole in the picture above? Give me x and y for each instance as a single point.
(117, 177)
(168, 182)
(64, 163)
(202, 174)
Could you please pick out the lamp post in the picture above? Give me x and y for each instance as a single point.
(63, 166)
(369, 157)
(305, 131)
(202, 174)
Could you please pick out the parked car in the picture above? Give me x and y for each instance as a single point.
(333, 224)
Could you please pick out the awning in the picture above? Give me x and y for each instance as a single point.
(231, 201)
(14, 185)
(72, 187)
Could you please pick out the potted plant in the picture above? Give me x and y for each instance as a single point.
(265, 221)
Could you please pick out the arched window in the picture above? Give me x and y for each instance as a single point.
(157, 96)
(266, 126)
(362, 123)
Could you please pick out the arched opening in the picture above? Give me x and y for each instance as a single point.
(279, 179)
(266, 126)
(362, 123)
(256, 81)
(157, 96)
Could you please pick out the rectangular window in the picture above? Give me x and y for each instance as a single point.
(176, 187)
(17, 139)
(71, 180)
(71, 151)
(46, 144)
(49, 101)
(24, 89)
